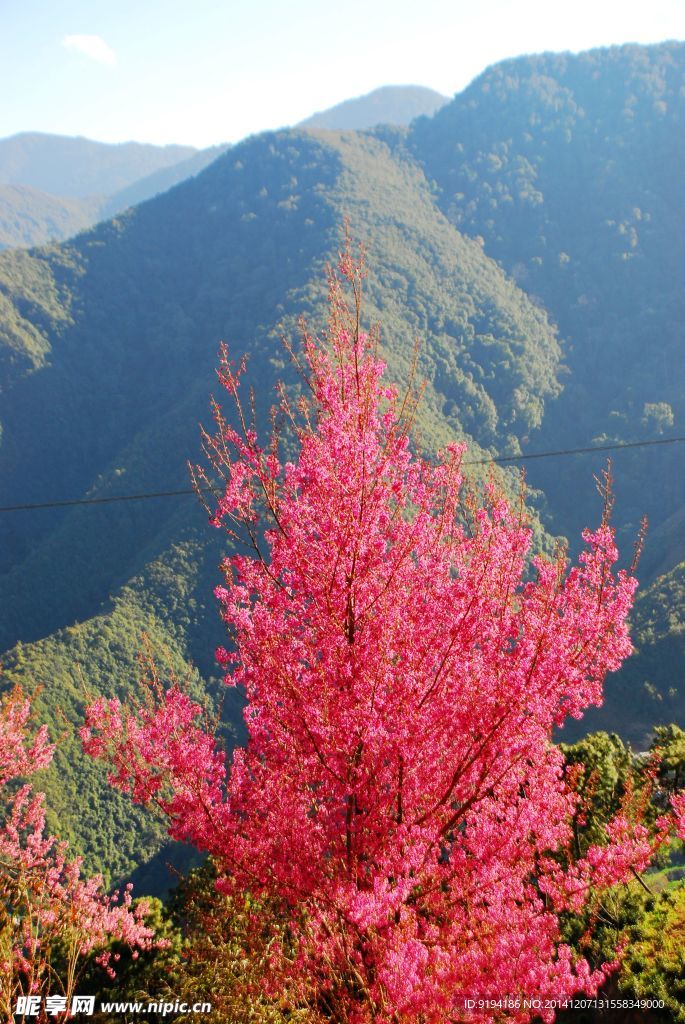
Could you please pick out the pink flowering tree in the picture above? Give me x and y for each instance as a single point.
(399, 796)
(51, 919)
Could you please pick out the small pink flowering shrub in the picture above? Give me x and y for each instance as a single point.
(50, 917)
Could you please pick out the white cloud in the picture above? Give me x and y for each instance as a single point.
(94, 47)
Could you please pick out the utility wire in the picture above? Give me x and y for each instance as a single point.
(98, 501)
(499, 459)
(574, 451)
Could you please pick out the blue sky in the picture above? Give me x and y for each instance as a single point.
(206, 71)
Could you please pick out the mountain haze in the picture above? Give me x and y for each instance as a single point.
(55, 186)
(77, 167)
(31, 218)
(160, 181)
(52, 186)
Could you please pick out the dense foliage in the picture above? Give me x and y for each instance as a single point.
(649, 690)
(644, 916)
(29, 217)
(566, 167)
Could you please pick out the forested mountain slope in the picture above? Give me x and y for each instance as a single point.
(649, 690)
(570, 170)
(30, 217)
(53, 186)
(111, 345)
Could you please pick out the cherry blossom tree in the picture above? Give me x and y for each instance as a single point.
(51, 919)
(404, 662)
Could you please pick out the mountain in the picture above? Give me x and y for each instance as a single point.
(391, 104)
(568, 169)
(29, 217)
(499, 233)
(160, 181)
(114, 335)
(110, 343)
(52, 186)
(55, 186)
(77, 167)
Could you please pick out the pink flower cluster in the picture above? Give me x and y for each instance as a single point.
(48, 906)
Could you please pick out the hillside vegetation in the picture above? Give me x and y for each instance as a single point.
(56, 186)
(568, 168)
(29, 217)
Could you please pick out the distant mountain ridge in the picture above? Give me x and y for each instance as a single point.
(52, 186)
(56, 185)
(78, 168)
(160, 181)
(390, 104)
(29, 217)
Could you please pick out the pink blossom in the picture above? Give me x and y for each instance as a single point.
(46, 898)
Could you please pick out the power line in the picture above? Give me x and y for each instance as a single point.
(498, 459)
(97, 501)
(575, 451)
